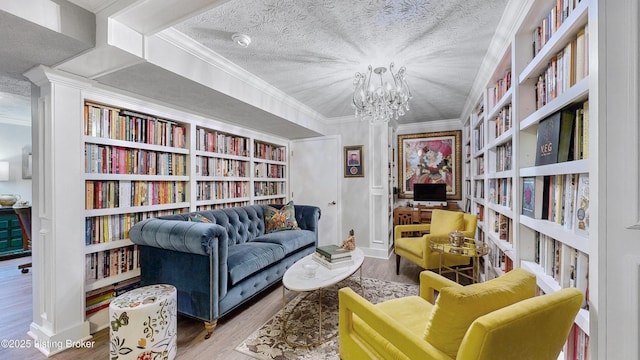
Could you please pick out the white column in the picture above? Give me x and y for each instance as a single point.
(58, 213)
(379, 190)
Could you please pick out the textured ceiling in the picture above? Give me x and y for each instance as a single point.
(312, 49)
(308, 49)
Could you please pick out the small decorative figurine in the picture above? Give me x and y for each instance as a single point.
(350, 243)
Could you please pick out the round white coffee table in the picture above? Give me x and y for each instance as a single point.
(294, 279)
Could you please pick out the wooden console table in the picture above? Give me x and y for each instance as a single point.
(419, 215)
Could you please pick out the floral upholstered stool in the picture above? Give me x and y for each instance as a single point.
(143, 323)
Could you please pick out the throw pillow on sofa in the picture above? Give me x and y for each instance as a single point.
(282, 219)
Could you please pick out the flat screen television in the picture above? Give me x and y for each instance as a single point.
(430, 194)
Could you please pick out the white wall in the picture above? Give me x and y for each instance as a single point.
(614, 249)
(355, 191)
(12, 139)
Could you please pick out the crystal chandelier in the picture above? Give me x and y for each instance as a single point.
(387, 100)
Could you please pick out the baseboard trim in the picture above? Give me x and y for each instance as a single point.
(50, 344)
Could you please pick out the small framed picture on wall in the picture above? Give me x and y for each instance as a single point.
(353, 161)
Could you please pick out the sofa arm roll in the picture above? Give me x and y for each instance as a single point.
(307, 217)
(184, 236)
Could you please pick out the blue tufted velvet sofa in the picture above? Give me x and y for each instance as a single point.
(218, 266)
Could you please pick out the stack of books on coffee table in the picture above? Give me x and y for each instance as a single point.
(333, 256)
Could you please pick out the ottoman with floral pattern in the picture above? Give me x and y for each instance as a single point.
(143, 324)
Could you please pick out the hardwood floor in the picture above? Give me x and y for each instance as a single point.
(15, 300)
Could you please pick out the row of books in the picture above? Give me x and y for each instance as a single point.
(112, 193)
(568, 266)
(280, 201)
(479, 162)
(503, 121)
(577, 346)
(480, 212)
(222, 143)
(264, 170)
(552, 22)
(270, 152)
(210, 190)
(103, 264)
(209, 166)
(502, 226)
(267, 188)
(499, 259)
(118, 160)
(333, 256)
(500, 191)
(479, 189)
(496, 92)
(564, 70)
(563, 199)
(111, 123)
(478, 138)
(563, 136)
(98, 299)
(108, 228)
(503, 155)
(224, 205)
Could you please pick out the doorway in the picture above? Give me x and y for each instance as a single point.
(314, 180)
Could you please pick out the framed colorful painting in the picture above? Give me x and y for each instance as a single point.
(430, 158)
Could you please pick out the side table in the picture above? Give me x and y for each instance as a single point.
(469, 249)
(143, 323)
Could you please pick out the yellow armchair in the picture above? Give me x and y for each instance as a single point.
(498, 319)
(416, 248)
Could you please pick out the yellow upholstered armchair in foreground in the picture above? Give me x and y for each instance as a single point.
(416, 248)
(497, 319)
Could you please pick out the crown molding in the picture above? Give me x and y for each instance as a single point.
(437, 125)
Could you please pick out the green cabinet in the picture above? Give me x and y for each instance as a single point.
(10, 232)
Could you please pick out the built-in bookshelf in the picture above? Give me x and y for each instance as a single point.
(532, 215)
(135, 168)
(476, 126)
(223, 169)
(499, 175)
(270, 172)
(138, 165)
(553, 80)
(468, 182)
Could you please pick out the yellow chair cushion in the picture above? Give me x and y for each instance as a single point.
(412, 245)
(457, 307)
(410, 311)
(443, 222)
(403, 311)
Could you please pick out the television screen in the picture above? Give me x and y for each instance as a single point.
(430, 192)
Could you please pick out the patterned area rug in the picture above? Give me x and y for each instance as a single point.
(267, 342)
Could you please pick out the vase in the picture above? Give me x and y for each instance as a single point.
(8, 199)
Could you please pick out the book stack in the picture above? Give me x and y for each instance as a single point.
(333, 256)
